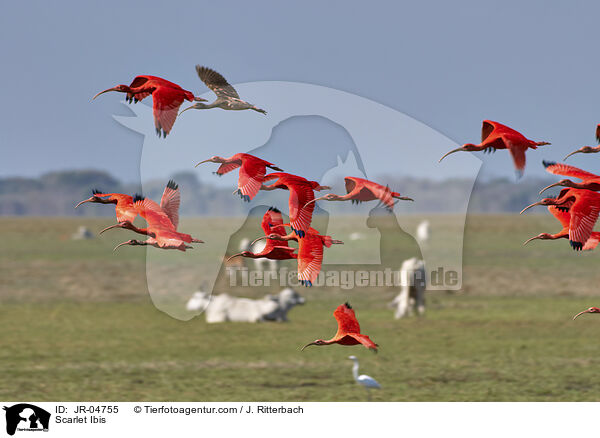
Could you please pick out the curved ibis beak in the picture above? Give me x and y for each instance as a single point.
(581, 313)
(315, 200)
(451, 152)
(405, 198)
(532, 205)
(205, 161)
(106, 91)
(572, 153)
(549, 187)
(112, 226)
(235, 255)
(308, 345)
(189, 107)
(121, 244)
(336, 242)
(84, 201)
(260, 238)
(529, 240)
(197, 240)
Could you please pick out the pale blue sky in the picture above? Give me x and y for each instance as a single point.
(449, 65)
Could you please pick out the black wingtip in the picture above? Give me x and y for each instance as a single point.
(347, 304)
(138, 197)
(548, 163)
(274, 210)
(172, 185)
(97, 192)
(577, 246)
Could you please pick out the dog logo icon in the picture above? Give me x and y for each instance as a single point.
(26, 417)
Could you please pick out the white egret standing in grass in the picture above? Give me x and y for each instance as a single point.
(367, 382)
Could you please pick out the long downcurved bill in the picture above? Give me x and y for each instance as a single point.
(121, 244)
(83, 202)
(264, 238)
(581, 313)
(201, 162)
(235, 255)
(529, 240)
(451, 152)
(308, 345)
(315, 200)
(405, 198)
(572, 153)
(549, 187)
(105, 91)
(112, 226)
(184, 110)
(532, 205)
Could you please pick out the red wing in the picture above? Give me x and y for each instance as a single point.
(486, 129)
(153, 214)
(583, 218)
(564, 217)
(136, 83)
(278, 252)
(350, 184)
(384, 194)
(228, 167)
(310, 258)
(518, 156)
(567, 170)
(124, 210)
(592, 242)
(166, 103)
(365, 340)
(251, 177)
(167, 238)
(170, 201)
(300, 213)
(271, 222)
(346, 320)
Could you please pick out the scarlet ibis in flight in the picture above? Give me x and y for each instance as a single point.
(348, 332)
(301, 193)
(161, 230)
(583, 207)
(272, 222)
(361, 190)
(127, 211)
(590, 310)
(310, 251)
(124, 208)
(252, 172)
(367, 382)
(227, 97)
(167, 97)
(162, 219)
(494, 136)
(564, 217)
(590, 180)
(587, 149)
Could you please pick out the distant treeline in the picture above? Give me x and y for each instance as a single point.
(56, 193)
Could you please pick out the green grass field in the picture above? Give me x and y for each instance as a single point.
(78, 324)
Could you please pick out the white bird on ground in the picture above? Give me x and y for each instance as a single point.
(367, 382)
